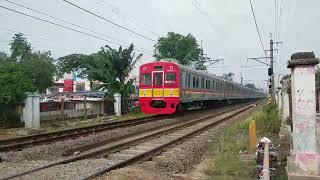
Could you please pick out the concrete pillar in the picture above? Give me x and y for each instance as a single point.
(285, 93)
(117, 104)
(279, 101)
(31, 112)
(304, 149)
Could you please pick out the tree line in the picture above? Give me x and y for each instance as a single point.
(27, 70)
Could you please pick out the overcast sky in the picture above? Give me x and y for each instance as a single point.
(232, 35)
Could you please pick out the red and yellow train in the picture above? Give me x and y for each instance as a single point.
(166, 87)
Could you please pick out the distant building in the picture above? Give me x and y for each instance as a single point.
(70, 85)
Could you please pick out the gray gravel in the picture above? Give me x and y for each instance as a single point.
(28, 158)
(71, 171)
(181, 159)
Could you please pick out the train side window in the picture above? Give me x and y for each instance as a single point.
(146, 79)
(170, 78)
(188, 80)
(213, 85)
(195, 82)
(208, 84)
(202, 83)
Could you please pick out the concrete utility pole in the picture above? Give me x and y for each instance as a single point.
(271, 67)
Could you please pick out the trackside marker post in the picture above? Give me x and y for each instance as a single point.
(252, 135)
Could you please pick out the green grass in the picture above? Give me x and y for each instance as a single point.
(228, 162)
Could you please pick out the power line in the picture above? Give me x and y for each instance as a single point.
(73, 24)
(66, 27)
(257, 28)
(117, 11)
(107, 20)
(203, 13)
(279, 21)
(275, 18)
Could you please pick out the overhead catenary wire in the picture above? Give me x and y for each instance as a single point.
(118, 12)
(203, 13)
(68, 22)
(109, 21)
(257, 28)
(275, 18)
(280, 20)
(69, 28)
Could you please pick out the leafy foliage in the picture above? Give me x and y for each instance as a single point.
(109, 66)
(38, 66)
(24, 71)
(183, 48)
(20, 48)
(14, 83)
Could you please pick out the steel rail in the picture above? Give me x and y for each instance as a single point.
(20, 142)
(97, 144)
(155, 151)
(124, 145)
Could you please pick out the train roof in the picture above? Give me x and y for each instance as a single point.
(171, 60)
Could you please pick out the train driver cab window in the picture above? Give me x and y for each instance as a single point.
(157, 79)
(170, 79)
(146, 79)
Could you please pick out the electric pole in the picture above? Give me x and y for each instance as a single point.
(271, 67)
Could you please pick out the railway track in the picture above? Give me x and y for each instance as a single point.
(21, 142)
(37, 139)
(140, 146)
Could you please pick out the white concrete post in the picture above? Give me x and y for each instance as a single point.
(304, 110)
(31, 112)
(285, 90)
(117, 104)
(276, 94)
(279, 101)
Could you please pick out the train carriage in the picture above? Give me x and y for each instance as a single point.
(166, 87)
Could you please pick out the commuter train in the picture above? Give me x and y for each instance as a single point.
(166, 87)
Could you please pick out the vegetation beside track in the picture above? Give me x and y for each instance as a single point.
(231, 159)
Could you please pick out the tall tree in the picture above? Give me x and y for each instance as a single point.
(109, 66)
(39, 66)
(14, 83)
(185, 49)
(20, 48)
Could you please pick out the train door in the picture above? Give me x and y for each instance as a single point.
(157, 84)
